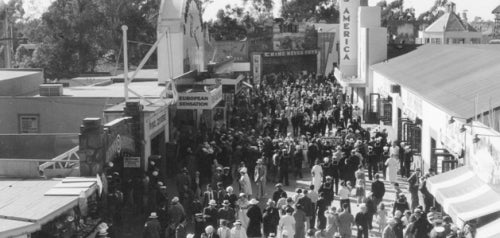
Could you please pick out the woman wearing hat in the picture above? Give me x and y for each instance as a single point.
(270, 218)
(255, 219)
(238, 231)
(286, 226)
(317, 175)
(246, 186)
(242, 207)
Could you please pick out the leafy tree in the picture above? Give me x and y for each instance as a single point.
(311, 10)
(433, 13)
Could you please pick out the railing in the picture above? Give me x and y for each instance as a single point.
(63, 161)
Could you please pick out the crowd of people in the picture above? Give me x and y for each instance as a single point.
(288, 125)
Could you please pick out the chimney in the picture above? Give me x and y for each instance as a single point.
(450, 7)
(464, 16)
(49, 90)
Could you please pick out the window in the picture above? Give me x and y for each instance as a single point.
(29, 123)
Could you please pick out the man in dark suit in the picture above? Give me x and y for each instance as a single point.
(413, 186)
(278, 192)
(307, 205)
(210, 214)
(208, 195)
(378, 190)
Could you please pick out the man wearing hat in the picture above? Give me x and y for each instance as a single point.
(278, 192)
(152, 228)
(182, 179)
(208, 195)
(284, 164)
(175, 214)
(422, 227)
(226, 212)
(210, 214)
(260, 178)
(245, 183)
(388, 231)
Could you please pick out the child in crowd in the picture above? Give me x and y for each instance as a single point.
(381, 217)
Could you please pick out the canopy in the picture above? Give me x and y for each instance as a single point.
(13, 228)
(489, 230)
(463, 195)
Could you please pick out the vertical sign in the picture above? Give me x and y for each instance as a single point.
(256, 61)
(349, 37)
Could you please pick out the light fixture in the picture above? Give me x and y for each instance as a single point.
(476, 137)
(462, 129)
(452, 119)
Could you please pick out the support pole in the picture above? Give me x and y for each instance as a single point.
(125, 62)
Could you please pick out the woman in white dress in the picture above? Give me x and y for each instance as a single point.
(317, 175)
(242, 204)
(245, 184)
(392, 165)
(287, 225)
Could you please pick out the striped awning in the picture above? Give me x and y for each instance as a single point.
(490, 230)
(463, 195)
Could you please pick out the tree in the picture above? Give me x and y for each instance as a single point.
(76, 36)
(433, 13)
(311, 10)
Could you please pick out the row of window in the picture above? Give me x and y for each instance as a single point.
(451, 41)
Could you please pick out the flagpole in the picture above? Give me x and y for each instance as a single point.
(125, 62)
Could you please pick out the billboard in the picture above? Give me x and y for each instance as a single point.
(222, 50)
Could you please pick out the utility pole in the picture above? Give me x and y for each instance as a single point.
(8, 42)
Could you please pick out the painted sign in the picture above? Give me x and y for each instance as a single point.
(257, 68)
(200, 100)
(412, 105)
(158, 120)
(119, 138)
(132, 162)
(349, 36)
(290, 53)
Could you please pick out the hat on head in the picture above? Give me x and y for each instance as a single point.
(229, 188)
(225, 202)
(253, 201)
(237, 222)
(243, 170)
(218, 168)
(212, 202)
(242, 194)
(417, 210)
(153, 215)
(278, 185)
(259, 161)
(175, 200)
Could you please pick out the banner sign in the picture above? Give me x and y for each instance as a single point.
(290, 53)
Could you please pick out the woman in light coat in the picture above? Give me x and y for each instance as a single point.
(287, 224)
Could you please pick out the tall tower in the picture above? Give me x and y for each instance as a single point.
(349, 37)
(496, 27)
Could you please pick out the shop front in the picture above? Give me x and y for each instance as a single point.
(294, 61)
(196, 109)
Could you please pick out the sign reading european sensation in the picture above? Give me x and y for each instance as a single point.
(200, 100)
(349, 36)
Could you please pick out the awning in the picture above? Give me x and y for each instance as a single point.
(14, 228)
(489, 230)
(463, 195)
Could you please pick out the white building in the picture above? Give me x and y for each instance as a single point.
(437, 98)
(449, 29)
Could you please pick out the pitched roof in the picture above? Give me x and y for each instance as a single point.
(449, 76)
(446, 23)
(496, 10)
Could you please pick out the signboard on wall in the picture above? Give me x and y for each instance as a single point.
(257, 68)
(238, 50)
(158, 120)
(132, 162)
(349, 36)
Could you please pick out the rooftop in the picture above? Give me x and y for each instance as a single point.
(40, 201)
(11, 74)
(449, 76)
(449, 22)
(116, 90)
